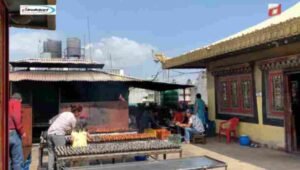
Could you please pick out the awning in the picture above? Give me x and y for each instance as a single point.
(33, 21)
(157, 86)
(90, 76)
(276, 28)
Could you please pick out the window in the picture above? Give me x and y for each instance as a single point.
(295, 96)
(246, 94)
(273, 97)
(235, 95)
(277, 104)
(275, 93)
(224, 96)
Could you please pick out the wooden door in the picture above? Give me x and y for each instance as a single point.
(288, 116)
(289, 119)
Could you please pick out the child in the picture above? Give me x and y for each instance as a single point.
(79, 135)
(80, 138)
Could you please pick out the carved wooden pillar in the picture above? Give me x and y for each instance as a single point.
(3, 86)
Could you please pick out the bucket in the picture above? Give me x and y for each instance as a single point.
(176, 139)
(244, 140)
(140, 158)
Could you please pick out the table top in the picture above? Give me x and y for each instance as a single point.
(117, 154)
(192, 163)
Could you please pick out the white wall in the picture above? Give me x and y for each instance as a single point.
(137, 95)
(201, 85)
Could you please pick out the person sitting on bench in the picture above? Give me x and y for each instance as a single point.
(194, 126)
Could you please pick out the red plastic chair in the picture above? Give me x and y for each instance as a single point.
(228, 127)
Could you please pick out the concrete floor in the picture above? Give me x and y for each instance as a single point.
(259, 157)
(237, 157)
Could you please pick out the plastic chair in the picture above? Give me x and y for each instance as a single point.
(228, 127)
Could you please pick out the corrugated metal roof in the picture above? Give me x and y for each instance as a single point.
(56, 76)
(56, 62)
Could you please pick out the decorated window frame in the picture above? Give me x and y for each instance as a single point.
(273, 99)
(235, 97)
(236, 94)
(276, 93)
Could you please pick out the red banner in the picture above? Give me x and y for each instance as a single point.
(274, 9)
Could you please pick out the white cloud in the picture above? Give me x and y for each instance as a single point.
(124, 52)
(28, 44)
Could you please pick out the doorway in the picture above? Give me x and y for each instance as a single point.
(294, 90)
(44, 107)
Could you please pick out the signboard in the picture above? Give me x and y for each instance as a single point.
(37, 9)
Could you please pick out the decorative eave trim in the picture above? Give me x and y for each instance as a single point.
(280, 63)
(235, 69)
(272, 33)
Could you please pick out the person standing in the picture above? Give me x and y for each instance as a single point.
(65, 122)
(199, 108)
(16, 132)
(144, 120)
(193, 126)
(147, 120)
(178, 117)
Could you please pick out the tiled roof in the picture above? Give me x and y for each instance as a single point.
(275, 28)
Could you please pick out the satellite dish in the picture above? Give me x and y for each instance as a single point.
(156, 60)
(159, 58)
(20, 19)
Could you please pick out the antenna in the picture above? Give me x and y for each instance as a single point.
(39, 51)
(152, 53)
(89, 34)
(84, 46)
(110, 58)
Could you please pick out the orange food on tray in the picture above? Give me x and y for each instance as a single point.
(107, 130)
(163, 134)
(122, 137)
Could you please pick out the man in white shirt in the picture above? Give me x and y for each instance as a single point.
(193, 126)
(62, 124)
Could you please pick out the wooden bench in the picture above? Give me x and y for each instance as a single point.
(199, 138)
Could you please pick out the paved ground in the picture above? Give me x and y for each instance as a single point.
(260, 157)
(237, 157)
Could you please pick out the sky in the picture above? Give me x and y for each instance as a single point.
(129, 31)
